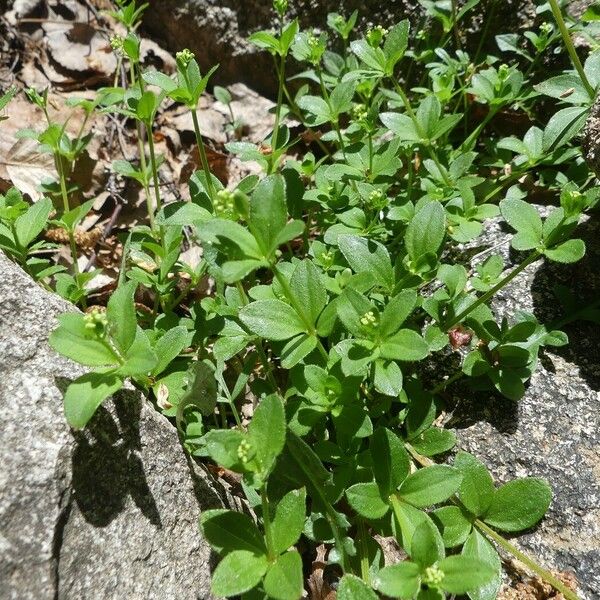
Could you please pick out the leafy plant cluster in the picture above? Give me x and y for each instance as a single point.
(333, 287)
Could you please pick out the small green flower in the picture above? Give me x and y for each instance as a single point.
(433, 576)
(369, 319)
(375, 35)
(243, 451)
(96, 322)
(116, 43)
(184, 57)
(280, 6)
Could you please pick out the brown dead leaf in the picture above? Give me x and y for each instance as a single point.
(217, 161)
(26, 167)
(319, 588)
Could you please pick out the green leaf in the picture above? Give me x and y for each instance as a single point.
(430, 485)
(396, 312)
(434, 441)
(526, 220)
(426, 546)
(308, 289)
(464, 573)
(272, 319)
(366, 500)
(29, 225)
(73, 340)
(399, 581)
(519, 504)
(120, 312)
(425, 233)
(477, 486)
(86, 394)
(238, 572)
(453, 525)
(266, 432)
(568, 252)
(388, 378)
(365, 255)
(223, 231)
(297, 349)
(228, 530)
(408, 519)
(140, 358)
(222, 446)
(568, 87)
(288, 522)
(200, 391)
(372, 57)
(396, 42)
(164, 82)
(168, 347)
(406, 345)
(284, 579)
(391, 463)
(353, 588)
(268, 212)
(477, 546)
(401, 125)
(563, 126)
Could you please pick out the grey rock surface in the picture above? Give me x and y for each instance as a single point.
(554, 431)
(107, 513)
(590, 139)
(217, 31)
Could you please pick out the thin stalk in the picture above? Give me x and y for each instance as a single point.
(472, 139)
(503, 543)
(275, 136)
(455, 25)
(364, 552)
(336, 125)
(267, 523)
(544, 574)
(490, 293)
(203, 157)
(568, 42)
(259, 347)
(410, 112)
(66, 208)
(440, 387)
(142, 152)
(488, 21)
(153, 166)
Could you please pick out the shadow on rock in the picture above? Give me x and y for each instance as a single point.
(582, 280)
(106, 465)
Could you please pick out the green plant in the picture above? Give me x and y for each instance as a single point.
(334, 286)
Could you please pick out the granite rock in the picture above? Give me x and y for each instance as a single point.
(590, 139)
(110, 512)
(554, 431)
(217, 31)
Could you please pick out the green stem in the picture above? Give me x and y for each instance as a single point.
(153, 165)
(327, 99)
(455, 25)
(267, 523)
(142, 152)
(259, 347)
(440, 387)
(544, 574)
(275, 136)
(411, 113)
(203, 157)
(472, 139)
(490, 293)
(364, 552)
(568, 42)
(66, 208)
